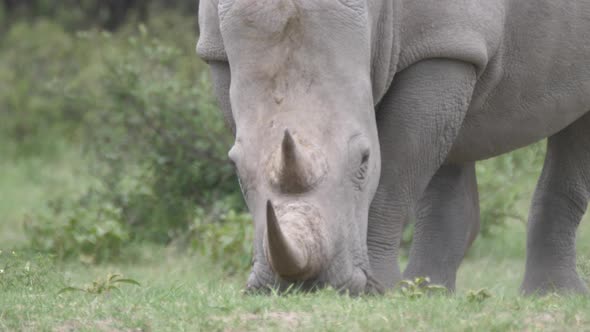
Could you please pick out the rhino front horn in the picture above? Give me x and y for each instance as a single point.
(296, 169)
(288, 252)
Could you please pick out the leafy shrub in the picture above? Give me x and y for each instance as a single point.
(226, 238)
(107, 14)
(505, 186)
(87, 230)
(32, 103)
(50, 78)
(157, 149)
(158, 129)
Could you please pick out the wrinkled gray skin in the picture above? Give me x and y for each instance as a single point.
(351, 116)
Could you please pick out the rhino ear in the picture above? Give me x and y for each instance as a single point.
(210, 45)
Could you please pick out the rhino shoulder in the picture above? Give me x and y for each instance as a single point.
(470, 31)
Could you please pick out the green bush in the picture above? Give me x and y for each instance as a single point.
(33, 101)
(505, 186)
(158, 129)
(157, 148)
(84, 229)
(225, 237)
(84, 14)
(50, 78)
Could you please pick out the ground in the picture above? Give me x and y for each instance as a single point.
(184, 292)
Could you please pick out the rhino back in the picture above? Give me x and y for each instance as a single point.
(533, 61)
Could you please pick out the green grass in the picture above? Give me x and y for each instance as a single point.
(181, 292)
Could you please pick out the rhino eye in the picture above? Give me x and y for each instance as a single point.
(359, 152)
(361, 173)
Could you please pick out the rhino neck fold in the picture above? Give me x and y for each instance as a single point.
(385, 21)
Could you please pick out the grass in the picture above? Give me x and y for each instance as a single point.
(184, 293)
(181, 292)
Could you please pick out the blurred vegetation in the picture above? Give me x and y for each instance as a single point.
(129, 89)
(27, 271)
(139, 103)
(83, 14)
(505, 186)
(89, 230)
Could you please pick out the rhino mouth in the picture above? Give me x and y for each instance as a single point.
(353, 286)
(263, 280)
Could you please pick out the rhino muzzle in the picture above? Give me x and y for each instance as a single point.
(295, 239)
(294, 242)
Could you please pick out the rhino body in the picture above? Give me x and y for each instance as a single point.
(401, 98)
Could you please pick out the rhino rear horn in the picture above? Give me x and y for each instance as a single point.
(296, 171)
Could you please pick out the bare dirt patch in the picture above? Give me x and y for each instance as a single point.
(543, 321)
(105, 325)
(282, 319)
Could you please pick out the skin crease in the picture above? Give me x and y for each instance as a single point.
(399, 99)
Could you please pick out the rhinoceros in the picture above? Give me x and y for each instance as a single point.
(351, 116)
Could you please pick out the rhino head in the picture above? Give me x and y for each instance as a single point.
(306, 148)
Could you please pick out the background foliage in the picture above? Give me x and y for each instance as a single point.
(107, 14)
(138, 104)
(124, 86)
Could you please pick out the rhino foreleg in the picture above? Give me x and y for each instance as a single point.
(447, 223)
(418, 120)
